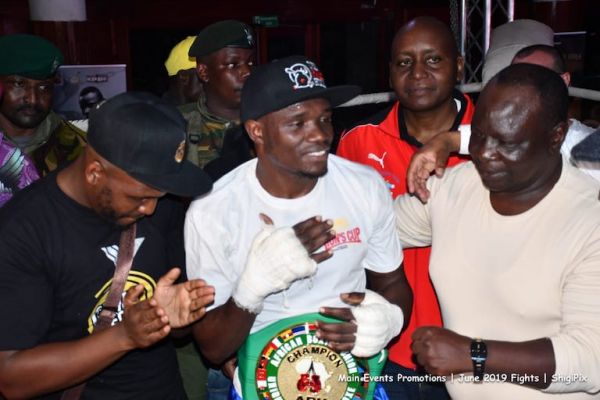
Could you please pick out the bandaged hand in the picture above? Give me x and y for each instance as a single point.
(378, 321)
(276, 259)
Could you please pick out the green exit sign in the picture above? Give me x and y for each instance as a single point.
(270, 21)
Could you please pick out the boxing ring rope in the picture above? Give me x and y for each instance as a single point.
(386, 97)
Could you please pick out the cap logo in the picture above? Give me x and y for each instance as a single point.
(305, 75)
(55, 65)
(249, 37)
(180, 152)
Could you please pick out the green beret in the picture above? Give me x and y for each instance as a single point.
(29, 56)
(228, 33)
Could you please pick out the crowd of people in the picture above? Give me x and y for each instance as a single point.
(209, 244)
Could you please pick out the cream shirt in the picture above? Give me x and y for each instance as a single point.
(515, 278)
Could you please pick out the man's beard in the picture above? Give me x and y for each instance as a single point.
(27, 121)
(105, 208)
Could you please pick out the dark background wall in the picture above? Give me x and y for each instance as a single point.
(349, 39)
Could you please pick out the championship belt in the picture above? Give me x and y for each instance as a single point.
(287, 361)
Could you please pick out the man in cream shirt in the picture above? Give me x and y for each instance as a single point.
(516, 252)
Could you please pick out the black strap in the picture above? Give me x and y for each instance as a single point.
(478, 356)
(111, 304)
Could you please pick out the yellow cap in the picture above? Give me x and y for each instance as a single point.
(179, 59)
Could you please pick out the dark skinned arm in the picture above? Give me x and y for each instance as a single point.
(432, 157)
(392, 285)
(66, 364)
(223, 330)
(443, 352)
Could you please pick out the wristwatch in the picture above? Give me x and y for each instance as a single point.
(478, 356)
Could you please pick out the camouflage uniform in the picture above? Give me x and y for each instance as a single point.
(205, 131)
(54, 142)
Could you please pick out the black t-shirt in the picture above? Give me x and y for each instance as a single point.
(57, 259)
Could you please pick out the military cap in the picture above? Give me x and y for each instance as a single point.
(228, 33)
(29, 56)
(178, 58)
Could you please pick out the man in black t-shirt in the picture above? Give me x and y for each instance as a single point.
(60, 241)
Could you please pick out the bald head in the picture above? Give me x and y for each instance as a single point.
(545, 56)
(433, 26)
(518, 127)
(549, 89)
(541, 54)
(425, 67)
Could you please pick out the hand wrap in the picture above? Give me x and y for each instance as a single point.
(378, 321)
(276, 259)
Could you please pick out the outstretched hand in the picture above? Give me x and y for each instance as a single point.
(144, 322)
(185, 302)
(432, 157)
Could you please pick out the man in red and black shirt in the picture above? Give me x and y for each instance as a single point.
(424, 69)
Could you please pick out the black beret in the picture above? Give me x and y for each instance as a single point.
(29, 56)
(228, 33)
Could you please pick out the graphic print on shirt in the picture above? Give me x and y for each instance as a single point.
(11, 168)
(391, 180)
(111, 252)
(345, 235)
(134, 278)
(373, 156)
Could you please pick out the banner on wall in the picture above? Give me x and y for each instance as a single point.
(80, 87)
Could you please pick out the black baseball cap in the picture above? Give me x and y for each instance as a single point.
(228, 33)
(281, 83)
(146, 137)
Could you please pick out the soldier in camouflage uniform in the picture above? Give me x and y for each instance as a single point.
(27, 71)
(224, 53)
(206, 132)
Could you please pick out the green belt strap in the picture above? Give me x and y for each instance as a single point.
(286, 361)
